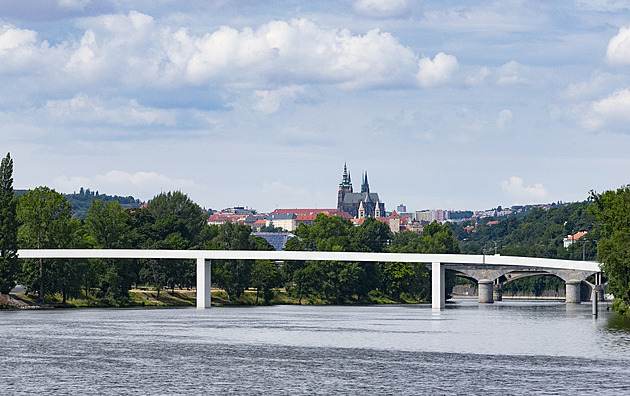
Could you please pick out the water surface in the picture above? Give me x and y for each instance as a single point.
(504, 348)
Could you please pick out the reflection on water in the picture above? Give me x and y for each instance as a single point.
(506, 347)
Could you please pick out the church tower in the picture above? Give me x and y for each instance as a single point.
(365, 186)
(345, 187)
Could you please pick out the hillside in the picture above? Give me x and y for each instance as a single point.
(540, 233)
(81, 201)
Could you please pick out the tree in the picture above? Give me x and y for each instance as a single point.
(234, 276)
(612, 211)
(265, 277)
(8, 227)
(174, 222)
(108, 227)
(44, 215)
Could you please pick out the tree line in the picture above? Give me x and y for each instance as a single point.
(42, 219)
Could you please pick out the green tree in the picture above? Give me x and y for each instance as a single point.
(108, 227)
(8, 228)
(234, 276)
(44, 215)
(612, 211)
(176, 223)
(265, 277)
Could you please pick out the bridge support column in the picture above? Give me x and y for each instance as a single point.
(484, 291)
(497, 294)
(438, 294)
(573, 291)
(204, 299)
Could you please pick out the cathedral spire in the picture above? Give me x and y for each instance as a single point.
(365, 186)
(346, 181)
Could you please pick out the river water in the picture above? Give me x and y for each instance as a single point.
(505, 348)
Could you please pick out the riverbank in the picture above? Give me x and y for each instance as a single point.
(177, 298)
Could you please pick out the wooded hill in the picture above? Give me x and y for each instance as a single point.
(538, 234)
(81, 201)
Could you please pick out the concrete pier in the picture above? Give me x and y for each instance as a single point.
(485, 289)
(438, 293)
(204, 299)
(573, 291)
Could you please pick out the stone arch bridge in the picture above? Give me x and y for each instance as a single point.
(486, 270)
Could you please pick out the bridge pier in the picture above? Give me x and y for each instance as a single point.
(438, 292)
(484, 291)
(573, 291)
(204, 298)
(497, 294)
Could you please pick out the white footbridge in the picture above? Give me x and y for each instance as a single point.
(485, 269)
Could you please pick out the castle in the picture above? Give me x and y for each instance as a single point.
(358, 205)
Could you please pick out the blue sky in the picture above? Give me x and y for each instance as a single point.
(446, 104)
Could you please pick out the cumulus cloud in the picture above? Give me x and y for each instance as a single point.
(436, 71)
(478, 78)
(133, 50)
(505, 118)
(510, 73)
(611, 111)
(269, 101)
(599, 83)
(515, 188)
(618, 50)
(382, 8)
(21, 52)
(122, 112)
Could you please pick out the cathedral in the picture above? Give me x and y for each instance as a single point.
(358, 205)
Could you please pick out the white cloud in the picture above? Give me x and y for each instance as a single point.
(436, 71)
(21, 53)
(479, 77)
(515, 188)
(510, 73)
(611, 111)
(87, 110)
(133, 50)
(382, 8)
(618, 51)
(269, 101)
(505, 118)
(599, 83)
(12, 38)
(74, 4)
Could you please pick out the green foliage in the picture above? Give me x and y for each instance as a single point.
(8, 227)
(540, 233)
(535, 285)
(82, 200)
(44, 215)
(612, 210)
(345, 281)
(107, 227)
(233, 276)
(265, 277)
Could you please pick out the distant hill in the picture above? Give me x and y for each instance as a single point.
(81, 201)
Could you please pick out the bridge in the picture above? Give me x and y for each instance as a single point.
(485, 269)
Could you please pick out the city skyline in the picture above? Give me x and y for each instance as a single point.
(446, 104)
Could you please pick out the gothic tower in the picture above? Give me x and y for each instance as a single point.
(345, 186)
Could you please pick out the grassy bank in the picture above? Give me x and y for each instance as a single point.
(180, 298)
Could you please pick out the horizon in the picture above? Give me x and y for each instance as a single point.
(445, 105)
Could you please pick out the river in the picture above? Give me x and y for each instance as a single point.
(510, 347)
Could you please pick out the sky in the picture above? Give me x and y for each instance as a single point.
(453, 105)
